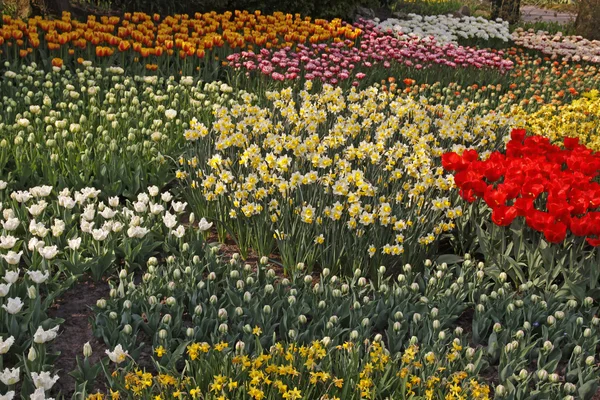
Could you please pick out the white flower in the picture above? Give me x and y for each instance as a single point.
(108, 213)
(21, 196)
(48, 252)
(11, 276)
(118, 355)
(12, 258)
(74, 243)
(100, 234)
(4, 288)
(178, 206)
(43, 380)
(7, 242)
(117, 227)
(39, 394)
(38, 277)
(179, 232)
(143, 197)
(86, 226)
(140, 207)
(37, 209)
(58, 228)
(113, 201)
(3, 185)
(166, 197)
(42, 336)
(13, 305)
(204, 225)
(170, 113)
(153, 191)
(5, 345)
(37, 228)
(156, 208)
(41, 191)
(10, 224)
(89, 212)
(10, 376)
(170, 220)
(137, 232)
(66, 202)
(8, 396)
(34, 244)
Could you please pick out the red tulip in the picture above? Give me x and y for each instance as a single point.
(555, 233)
(504, 215)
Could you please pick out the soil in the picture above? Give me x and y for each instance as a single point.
(74, 308)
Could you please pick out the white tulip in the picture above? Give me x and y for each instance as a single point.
(10, 376)
(118, 355)
(204, 225)
(38, 277)
(42, 336)
(48, 252)
(43, 380)
(5, 345)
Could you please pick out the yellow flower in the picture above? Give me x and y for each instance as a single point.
(160, 351)
(292, 394)
(256, 331)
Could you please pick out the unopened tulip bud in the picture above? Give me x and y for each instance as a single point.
(167, 319)
(127, 329)
(436, 324)
(542, 375)
(548, 346)
(113, 315)
(551, 320)
(302, 319)
(87, 350)
(267, 309)
(502, 277)
(470, 368)
(357, 272)
(271, 273)
(308, 279)
(213, 299)
(113, 293)
(196, 260)
(397, 326)
(123, 274)
(247, 328)
(587, 332)
(588, 301)
(458, 331)
(428, 262)
(32, 355)
(292, 334)
(497, 327)
(353, 335)
(416, 318)
(31, 292)
(590, 360)
(470, 353)
(569, 387)
(171, 301)
(559, 315)
(322, 305)
(356, 305)
(222, 314)
(442, 335)
(500, 391)
(526, 325)
(240, 346)
(264, 260)
(523, 374)
(189, 332)
(239, 311)
(223, 328)
(577, 350)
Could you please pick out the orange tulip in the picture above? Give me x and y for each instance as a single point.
(57, 62)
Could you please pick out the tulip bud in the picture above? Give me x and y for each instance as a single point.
(510, 308)
(436, 324)
(113, 315)
(416, 318)
(163, 334)
(357, 272)
(587, 332)
(480, 275)
(308, 279)
(397, 326)
(271, 273)
(87, 350)
(223, 328)
(213, 299)
(382, 270)
(458, 331)
(127, 329)
(189, 332)
(428, 262)
(31, 292)
(526, 325)
(500, 391)
(247, 328)
(520, 334)
(356, 305)
(398, 315)
(362, 281)
(588, 301)
(353, 335)
(167, 319)
(569, 387)
(497, 327)
(413, 340)
(267, 309)
(152, 300)
(322, 304)
(553, 377)
(470, 353)
(523, 374)
(579, 321)
(595, 321)
(240, 346)
(365, 322)
(548, 346)
(470, 368)
(196, 260)
(442, 335)
(302, 319)
(123, 274)
(113, 293)
(590, 360)
(559, 315)
(326, 341)
(542, 375)
(32, 355)
(247, 297)
(171, 301)
(551, 320)
(577, 350)
(222, 314)
(269, 289)
(300, 266)
(502, 277)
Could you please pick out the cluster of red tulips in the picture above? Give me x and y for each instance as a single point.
(555, 189)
